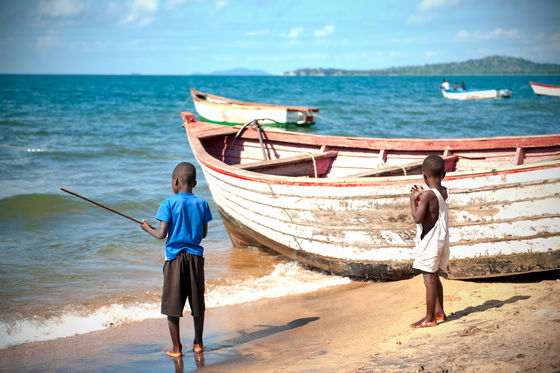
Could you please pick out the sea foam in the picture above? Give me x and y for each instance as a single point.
(285, 279)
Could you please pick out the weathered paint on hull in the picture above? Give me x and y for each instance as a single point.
(243, 236)
(459, 269)
(503, 265)
(489, 235)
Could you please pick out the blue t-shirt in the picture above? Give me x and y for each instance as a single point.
(186, 215)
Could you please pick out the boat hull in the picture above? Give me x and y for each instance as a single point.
(519, 236)
(476, 95)
(221, 110)
(545, 89)
(460, 269)
(244, 236)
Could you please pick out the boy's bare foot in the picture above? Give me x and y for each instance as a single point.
(197, 348)
(174, 354)
(423, 323)
(441, 317)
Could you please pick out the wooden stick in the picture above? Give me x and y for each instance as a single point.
(100, 205)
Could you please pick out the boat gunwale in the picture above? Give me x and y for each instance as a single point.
(212, 163)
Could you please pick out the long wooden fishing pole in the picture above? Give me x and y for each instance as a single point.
(100, 205)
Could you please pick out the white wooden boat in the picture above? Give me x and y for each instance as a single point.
(341, 204)
(476, 94)
(222, 110)
(545, 89)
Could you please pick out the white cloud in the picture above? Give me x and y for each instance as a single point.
(149, 6)
(496, 33)
(294, 33)
(325, 31)
(417, 19)
(426, 5)
(499, 32)
(140, 12)
(463, 34)
(58, 8)
(257, 33)
(430, 53)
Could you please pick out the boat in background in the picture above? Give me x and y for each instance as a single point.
(471, 94)
(545, 89)
(222, 110)
(341, 204)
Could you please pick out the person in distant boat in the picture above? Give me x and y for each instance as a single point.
(444, 85)
(463, 86)
(183, 218)
(455, 86)
(430, 213)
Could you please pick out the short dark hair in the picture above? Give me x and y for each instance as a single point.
(185, 172)
(433, 165)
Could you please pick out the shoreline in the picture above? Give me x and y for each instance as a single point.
(497, 326)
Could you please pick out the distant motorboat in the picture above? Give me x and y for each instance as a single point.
(475, 94)
(545, 89)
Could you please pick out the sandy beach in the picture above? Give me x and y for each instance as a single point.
(504, 325)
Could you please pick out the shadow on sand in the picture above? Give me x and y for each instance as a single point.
(267, 330)
(486, 306)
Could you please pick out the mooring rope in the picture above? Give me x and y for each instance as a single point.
(255, 125)
(314, 162)
(329, 120)
(181, 108)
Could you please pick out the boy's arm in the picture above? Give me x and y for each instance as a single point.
(159, 232)
(204, 230)
(419, 208)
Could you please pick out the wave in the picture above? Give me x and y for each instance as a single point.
(36, 206)
(41, 206)
(286, 279)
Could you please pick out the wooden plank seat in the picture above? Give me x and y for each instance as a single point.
(404, 169)
(302, 164)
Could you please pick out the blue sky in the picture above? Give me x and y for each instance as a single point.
(202, 36)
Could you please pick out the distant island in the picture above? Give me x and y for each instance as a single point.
(492, 65)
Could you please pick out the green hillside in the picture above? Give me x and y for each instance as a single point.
(492, 65)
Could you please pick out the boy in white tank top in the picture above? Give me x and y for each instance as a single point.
(430, 212)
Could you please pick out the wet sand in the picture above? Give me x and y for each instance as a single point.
(508, 325)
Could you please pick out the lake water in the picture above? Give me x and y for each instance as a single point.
(69, 267)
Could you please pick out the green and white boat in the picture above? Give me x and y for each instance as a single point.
(222, 110)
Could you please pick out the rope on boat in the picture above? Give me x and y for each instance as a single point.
(181, 108)
(255, 125)
(329, 120)
(314, 162)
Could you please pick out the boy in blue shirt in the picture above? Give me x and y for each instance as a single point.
(183, 218)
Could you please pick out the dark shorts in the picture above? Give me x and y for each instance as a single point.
(183, 278)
